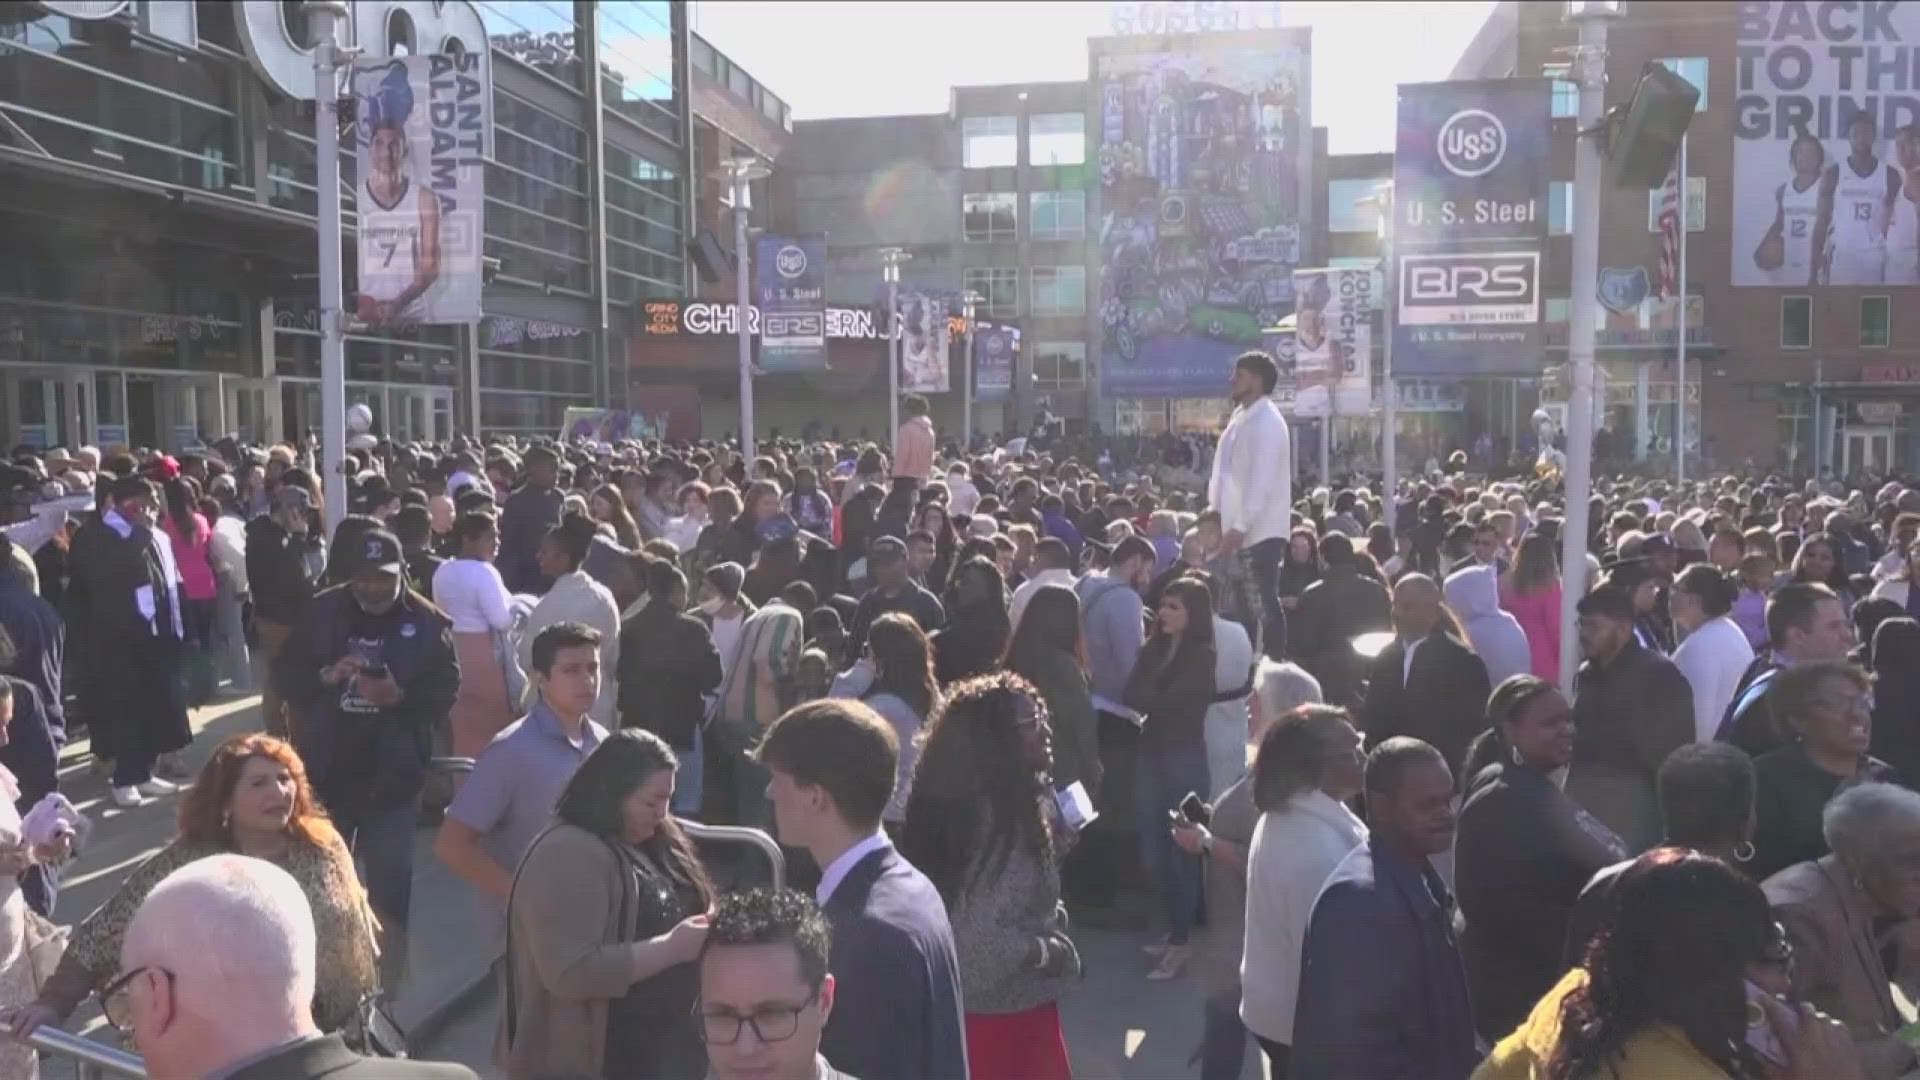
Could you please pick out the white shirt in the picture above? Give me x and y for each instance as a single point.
(1294, 851)
(837, 870)
(473, 596)
(1713, 658)
(1406, 665)
(1225, 729)
(1252, 482)
(1032, 585)
(962, 495)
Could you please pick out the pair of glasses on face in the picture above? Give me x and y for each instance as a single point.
(115, 1001)
(1778, 948)
(771, 1023)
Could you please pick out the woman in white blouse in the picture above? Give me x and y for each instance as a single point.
(1306, 766)
(1714, 652)
(470, 590)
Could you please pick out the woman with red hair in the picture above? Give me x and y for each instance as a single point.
(252, 798)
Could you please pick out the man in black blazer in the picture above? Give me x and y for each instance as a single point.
(216, 979)
(1427, 684)
(898, 1011)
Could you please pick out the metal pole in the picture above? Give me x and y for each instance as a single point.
(1592, 75)
(742, 315)
(1389, 416)
(893, 363)
(333, 340)
(966, 402)
(1680, 338)
(1326, 446)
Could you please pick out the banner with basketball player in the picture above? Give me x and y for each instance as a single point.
(421, 125)
(925, 338)
(1331, 349)
(1826, 145)
(790, 285)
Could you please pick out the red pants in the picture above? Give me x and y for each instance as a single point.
(1017, 1046)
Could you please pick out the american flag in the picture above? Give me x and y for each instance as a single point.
(1670, 233)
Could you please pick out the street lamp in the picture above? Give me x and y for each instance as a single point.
(323, 16)
(890, 260)
(1381, 202)
(969, 303)
(1590, 73)
(741, 172)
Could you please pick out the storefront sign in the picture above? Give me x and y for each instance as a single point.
(1877, 412)
(703, 318)
(1891, 373)
(790, 275)
(1471, 167)
(1428, 396)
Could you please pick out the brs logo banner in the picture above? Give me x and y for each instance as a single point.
(1466, 290)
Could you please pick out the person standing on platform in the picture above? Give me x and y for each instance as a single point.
(1252, 485)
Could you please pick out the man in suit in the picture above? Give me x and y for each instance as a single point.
(1805, 622)
(217, 980)
(1427, 683)
(1382, 990)
(898, 1012)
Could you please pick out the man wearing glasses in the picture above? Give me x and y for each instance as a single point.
(765, 993)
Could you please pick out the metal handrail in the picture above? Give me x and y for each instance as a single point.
(713, 834)
(97, 1058)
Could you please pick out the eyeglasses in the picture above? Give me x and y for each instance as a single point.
(1778, 948)
(771, 1023)
(114, 1000)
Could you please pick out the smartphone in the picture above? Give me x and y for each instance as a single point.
(1195, 810)
(1762, 1036)
(374, 671)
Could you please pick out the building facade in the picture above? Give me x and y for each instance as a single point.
(157, 288)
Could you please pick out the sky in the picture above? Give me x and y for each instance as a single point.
(880, 59)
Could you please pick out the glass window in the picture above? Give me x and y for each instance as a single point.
(636, 38)
(1057, 139)
(1057, 215)
(991, 216)
(1566, 99)
(1876, 322)
(988, 142)
(703, 56)
(1694, 70)
(1059, 290)
(1059, 365)
(999, 289)
(1696, 205)
(1796, 322)
(1560, 208)
(539, 33)
(1347, 210)
(1557, 309)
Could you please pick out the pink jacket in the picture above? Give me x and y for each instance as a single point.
(1539, 615)
(913, 449)
(190, 554)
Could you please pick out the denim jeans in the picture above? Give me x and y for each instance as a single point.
(132, 768)
(382, 844)
(687, 779)
(1164, 777)
(1264, 559)
(1223, 1045)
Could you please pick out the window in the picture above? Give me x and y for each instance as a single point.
(1694, 70)
(1560, 208)
(992, 216)
(1056, 139)
(1058, 215)
(1876, 322)
(1796, 322)
(1348, 208)
(1557, 309)
(989, 142)
(999, 289)
(1696, 205)
(1059, 290)
(1566, 99)
(1059, 365)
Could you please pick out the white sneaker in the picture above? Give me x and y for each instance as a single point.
(128, 797)
(157, 787)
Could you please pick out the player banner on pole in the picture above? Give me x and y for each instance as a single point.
(994, 348)
(924, 342)
(421, 130)
(790, 274)
(1332, 343)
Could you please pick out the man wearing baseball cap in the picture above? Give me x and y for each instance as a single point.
(371, 671)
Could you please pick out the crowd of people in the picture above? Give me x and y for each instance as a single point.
(970, 690)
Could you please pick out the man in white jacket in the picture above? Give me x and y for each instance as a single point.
(1252, 485)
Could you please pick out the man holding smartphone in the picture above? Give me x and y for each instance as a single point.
(371, 670)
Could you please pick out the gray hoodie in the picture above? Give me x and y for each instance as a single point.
(1473, 593)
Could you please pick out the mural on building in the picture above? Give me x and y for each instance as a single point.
(1205, 156)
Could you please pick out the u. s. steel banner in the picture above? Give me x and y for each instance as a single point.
(790, 283)
(421, 125)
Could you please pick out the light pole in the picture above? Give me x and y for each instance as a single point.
(1590, 67)
(328, 59)
(1382, 202)
(741, 172)
(969, 304)
(890, 260)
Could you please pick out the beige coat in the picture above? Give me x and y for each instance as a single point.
(566, 957)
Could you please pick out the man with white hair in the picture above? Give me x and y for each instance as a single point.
(217, 973)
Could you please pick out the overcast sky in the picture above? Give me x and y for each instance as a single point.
(879, 59)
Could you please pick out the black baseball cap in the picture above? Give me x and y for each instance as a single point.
(380, 550)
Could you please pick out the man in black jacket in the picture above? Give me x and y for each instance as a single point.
(1427, 684)
(1805, 622)
(371, 669)
(280, 580)
(525, 518)
(1332, 612)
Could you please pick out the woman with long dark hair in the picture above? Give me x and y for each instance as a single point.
(608, 507)
(1523, 852)
(977, 626)
(1171, 686)
(1298, 569)
(1665, 991)
(192, 539)
(1531, 593)
(1049, 651)
(895, 677)
(978, 825)
(932, 518)
(605, 920)
(1818, 560)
